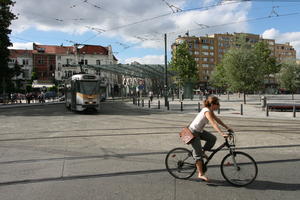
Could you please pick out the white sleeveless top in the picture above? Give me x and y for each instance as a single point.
(200, 121)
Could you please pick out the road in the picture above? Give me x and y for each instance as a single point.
(47, 152)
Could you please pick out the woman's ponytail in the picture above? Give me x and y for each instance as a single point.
(210, 100)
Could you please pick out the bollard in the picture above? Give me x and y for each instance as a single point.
(168, 105)
(181, 106)
(294, 111)
(149, 104)
(133, 100)
(142, 102)
(138, 102)
(198, 106)
(267, 110)
(158, 105)
(241, 109)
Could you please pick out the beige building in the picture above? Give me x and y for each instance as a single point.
(208, 51)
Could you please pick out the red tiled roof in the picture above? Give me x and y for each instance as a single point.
(14, 53)
(52, 49)
(93, 49)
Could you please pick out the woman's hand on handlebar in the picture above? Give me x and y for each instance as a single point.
(225, 135)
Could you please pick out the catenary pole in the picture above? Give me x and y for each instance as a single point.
(166, 73)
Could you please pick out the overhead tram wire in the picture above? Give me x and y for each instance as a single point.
(237, 22)
(157, 17)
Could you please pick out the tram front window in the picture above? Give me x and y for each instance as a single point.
(88, 87)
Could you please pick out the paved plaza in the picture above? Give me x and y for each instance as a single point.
(48, 152)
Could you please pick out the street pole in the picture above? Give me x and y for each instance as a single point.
(166, 73)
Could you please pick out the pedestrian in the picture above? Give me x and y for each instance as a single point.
(197, 128)
(151, 95)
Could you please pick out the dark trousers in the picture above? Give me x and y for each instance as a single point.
(196, 144)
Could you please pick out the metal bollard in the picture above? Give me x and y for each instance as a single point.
(242, 109)
(149, 104)
(142, 102)
(198, 107)
(294, 111)
(168, 105)
(158, 105)
(181, 106)
(138, 102)
(267, 110)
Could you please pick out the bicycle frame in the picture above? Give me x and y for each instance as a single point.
(225, 144)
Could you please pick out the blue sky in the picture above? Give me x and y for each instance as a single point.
(135, 28)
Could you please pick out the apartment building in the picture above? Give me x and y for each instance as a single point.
(24, 59)
(53, 63)
(284, 52)
(209, 50)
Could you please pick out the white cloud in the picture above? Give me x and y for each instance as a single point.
(149, 59)
(118, 18)
(17, 45)
(292, 37)
(271, 33)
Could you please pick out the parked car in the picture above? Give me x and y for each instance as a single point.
(50, 94)
(61, 98)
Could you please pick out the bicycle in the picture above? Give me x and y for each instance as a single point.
(238, 168)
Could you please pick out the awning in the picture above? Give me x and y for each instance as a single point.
(40, 85)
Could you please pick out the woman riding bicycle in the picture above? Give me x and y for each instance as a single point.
(206, 115)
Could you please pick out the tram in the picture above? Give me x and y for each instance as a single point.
(82, 92)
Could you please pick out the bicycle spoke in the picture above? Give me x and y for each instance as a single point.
(180, 163)
(239, 169)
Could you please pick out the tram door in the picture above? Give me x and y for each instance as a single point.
(73, 94)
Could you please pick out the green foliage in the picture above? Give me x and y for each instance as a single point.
(53, 88)
(6, 16)
(184, 65)
(289, 76)
(218, 78)
(241, 71)
(245, 66)
(265, 59)
(34, 76)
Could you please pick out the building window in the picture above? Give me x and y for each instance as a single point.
(205, 65)
(205, 53)
(25, 61)
(211, 53)
(205, 47)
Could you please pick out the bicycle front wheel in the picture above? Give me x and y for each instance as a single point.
(239, 168)
(180, 163)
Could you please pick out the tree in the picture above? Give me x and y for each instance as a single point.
(265, 60)
(242, 72)
(184, 65)
(289, 76)
(6, 16)
(218, 78)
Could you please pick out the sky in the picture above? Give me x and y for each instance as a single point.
(136, 28)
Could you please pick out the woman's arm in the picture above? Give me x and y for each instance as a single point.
(219, 121)
(211, 118)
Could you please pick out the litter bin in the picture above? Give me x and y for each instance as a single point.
(263, 101)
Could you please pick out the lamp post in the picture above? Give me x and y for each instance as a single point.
(166, 73)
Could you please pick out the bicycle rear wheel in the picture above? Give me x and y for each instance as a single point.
(180, 163)
(239, 168)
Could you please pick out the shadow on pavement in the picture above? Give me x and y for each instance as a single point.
(258, 185)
